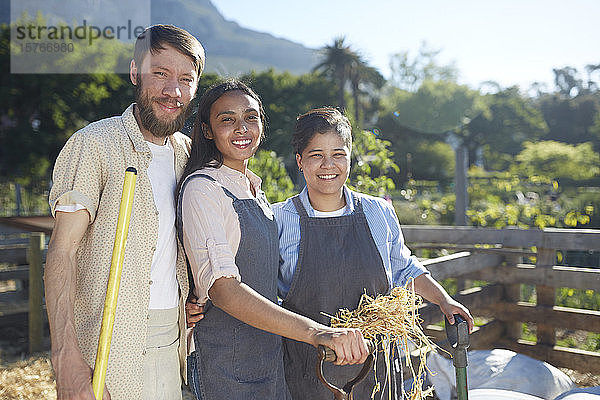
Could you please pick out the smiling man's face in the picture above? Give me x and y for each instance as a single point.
(165, 86)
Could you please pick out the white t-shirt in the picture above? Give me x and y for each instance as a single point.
(164, 290)
(330, 214)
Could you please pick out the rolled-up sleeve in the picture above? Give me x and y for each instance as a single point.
(208, 236)
(77, 175)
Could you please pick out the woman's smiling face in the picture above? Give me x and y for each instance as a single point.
(236, 128)
(326, 164)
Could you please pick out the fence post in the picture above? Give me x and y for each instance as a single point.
(36, 246)
(546, 296)
(512, 294)
(460, 186)
(18, 200)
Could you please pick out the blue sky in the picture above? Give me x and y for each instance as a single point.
(508, 41)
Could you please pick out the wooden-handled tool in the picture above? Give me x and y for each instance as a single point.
(114, 281)
(345, 393)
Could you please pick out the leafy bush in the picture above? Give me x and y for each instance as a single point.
(558, 160)
(371, 163)
(276, 183)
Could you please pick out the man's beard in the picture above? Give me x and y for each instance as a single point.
(150, 121)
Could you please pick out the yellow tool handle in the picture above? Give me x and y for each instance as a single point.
(114, 280)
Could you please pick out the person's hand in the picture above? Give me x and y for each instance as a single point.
(194, 312)
(450, 307)
(349, 345)
(74, 379)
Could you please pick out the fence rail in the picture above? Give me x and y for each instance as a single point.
(496, 256)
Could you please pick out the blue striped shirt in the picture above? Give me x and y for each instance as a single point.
(383, 223)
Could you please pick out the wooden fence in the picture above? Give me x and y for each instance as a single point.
(491, 255)
(22, 265)
(497, 256)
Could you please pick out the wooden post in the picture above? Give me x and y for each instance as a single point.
(36, 326)
(512, 294)
(18, 200)
(546, 296)
(461, 284)
(460, 186)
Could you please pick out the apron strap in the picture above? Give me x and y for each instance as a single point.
(299, 207)
(179, 219)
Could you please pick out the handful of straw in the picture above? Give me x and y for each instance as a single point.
(390, 319)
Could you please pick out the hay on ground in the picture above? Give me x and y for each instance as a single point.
(29, 379)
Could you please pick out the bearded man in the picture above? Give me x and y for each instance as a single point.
(148, 347)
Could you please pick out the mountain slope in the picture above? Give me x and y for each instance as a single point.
(231, 49)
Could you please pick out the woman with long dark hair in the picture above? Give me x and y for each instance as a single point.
(230, 238)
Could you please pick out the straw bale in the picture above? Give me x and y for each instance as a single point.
(28, 379)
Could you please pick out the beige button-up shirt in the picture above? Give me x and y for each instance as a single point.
(90, 171)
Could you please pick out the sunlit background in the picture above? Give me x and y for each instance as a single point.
(510, 42)
(483, 113)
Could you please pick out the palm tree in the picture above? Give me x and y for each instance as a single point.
(344, 65)
(337, 59)
(364, 79)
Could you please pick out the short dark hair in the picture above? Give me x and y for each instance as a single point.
(320, 120)
(155, 37)
(204, 152)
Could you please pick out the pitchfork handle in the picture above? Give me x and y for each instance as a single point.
(330, 355)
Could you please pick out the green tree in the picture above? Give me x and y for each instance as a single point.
(595, 132)
(558, 160)
(372, 162)
(572, 112)
(276, 183)
(414, 121)
(346, 67)
(592, 70)
(337, 60)
(40, 111)
(364, 80)
(433, 160)
(509, 120)
(436, 107)
(566, 81)
(571, 119)
(409, 74)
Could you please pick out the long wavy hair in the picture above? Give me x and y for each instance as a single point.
(204, 152)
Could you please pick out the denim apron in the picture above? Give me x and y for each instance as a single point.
(234, 360)
(338, 261)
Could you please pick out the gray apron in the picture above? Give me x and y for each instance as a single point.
(235, 360)
(338, 261)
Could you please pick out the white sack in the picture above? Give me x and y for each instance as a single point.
(499, 394)
(581, 394)
(499, 369)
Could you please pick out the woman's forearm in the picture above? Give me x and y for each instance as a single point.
(244, 303)
(432, 291)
